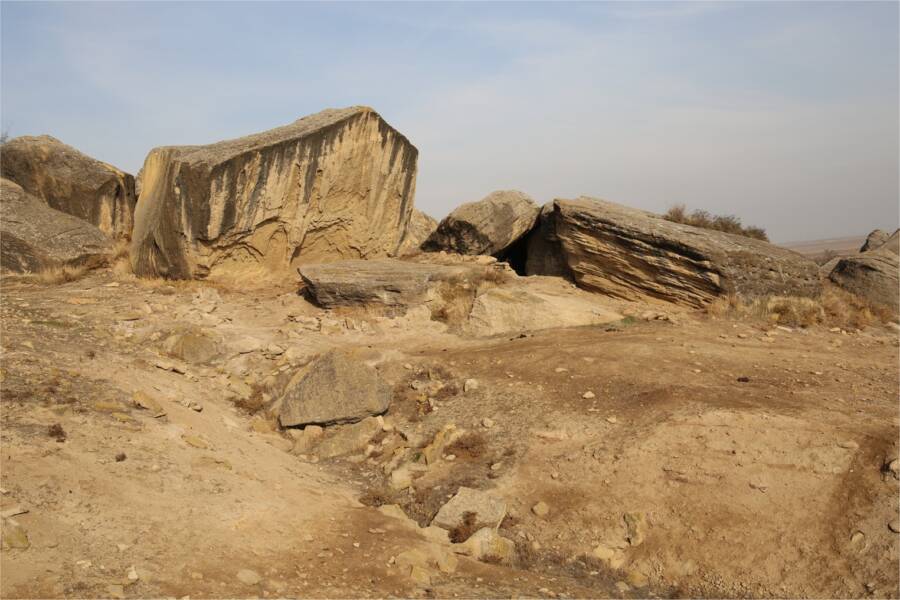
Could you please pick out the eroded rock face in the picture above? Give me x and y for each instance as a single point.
(420, 227)
(875, 240)
(632, 254)
(35, 237)
(72, 182)
(335, 185)
(490, 226)
(335, 389)
(873, 275)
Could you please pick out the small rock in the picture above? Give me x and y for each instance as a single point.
(635, 578)
(133, 574)
(636, 527)
(419, 575)
(588, 395)
(248, 577)
(14, 536)
(147, 402)
(541, 509)
(848, 445)
(470, 385)
(196, 441)
(196, 406)
(487, 423)
(490, 509)
(560, 370)
(121, 456)
(612, 420)
(894, 525)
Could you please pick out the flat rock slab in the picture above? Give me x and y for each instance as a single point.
(335, 388)
(72, 182)
(387, 282)
(489, 510)
(35, 237)
(633, 254)
(335, 185)
(490, 226)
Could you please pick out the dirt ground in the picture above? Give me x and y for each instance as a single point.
(753, 457)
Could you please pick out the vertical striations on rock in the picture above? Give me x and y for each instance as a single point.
(335, 185)
(72, 182)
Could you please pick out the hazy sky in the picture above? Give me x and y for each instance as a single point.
(785, 114)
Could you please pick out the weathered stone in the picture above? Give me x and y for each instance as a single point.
(875, 240)
(873, 275)
(633, 254)
(35, 237)
(248, 577)
(635, 527)
(72, 182)
(535, 303)
(348, 439)
(420, 227)
(387, 282)
(541, 509)
(336, 388)
(487, 544)
(13, 535)
(490, 226)
(193, 346)
(147, 402)
(443, 438)
(489, 510)
(335, 185)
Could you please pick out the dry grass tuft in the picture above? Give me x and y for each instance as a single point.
(725, 223)
(57, 275)
(834, 308)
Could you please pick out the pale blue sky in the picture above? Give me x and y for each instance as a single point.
(785, 114)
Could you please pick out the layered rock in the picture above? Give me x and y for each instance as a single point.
(72, 182)
(335, 185)
(386, 282)
(875, 240)
(873, 275)
(335, 389)
(490, 226)
(35, 237)
(632, 254)
(420, 227)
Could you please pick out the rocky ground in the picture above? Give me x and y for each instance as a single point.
(662, 452)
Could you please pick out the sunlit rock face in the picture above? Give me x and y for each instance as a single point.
(335, 185)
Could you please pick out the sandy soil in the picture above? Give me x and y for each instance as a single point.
(754, 456)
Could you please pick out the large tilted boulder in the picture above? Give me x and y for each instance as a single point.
(490, 226)
(35, 237)
(873, 274)
(336, 388)
(632, 254)
(335, 185)
(72, 182)
(875, 240)
(420, 227)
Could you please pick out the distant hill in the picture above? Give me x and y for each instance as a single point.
(843, 245)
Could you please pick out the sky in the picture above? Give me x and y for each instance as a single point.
(784, 114)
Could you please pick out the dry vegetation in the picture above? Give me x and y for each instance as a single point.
(834, 308)
(726, 223)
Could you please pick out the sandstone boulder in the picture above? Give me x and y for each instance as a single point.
(875, 240)
(632, 254)
(490, 226)
(35, 237)
(420, 227)
(873, 275)
(72, 182)
(335, 185)
(335, 388)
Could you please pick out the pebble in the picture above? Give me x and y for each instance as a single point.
(248, 577)
(612, 420)
(487, 423)
(133, 574)
(560, 370)
(848, 445)
(894, 525)
(588, 395)
(470, 385)
(541, 509)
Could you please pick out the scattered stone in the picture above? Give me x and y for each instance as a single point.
(489, 509)
(146, 402)
(588, 395)
(133, 574)
(14, 535)
(636, 579)
(487, 423)
(541, 509)
(194, 346)
(348, 439)
(336, 389)
(248, 577)
(486, 543)
(612, 557)
(442, 439)
(470, 385)
(848, 445)
(196, 441)
(121, 456)
(894, 525)
(636, 528)
(743, 379)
